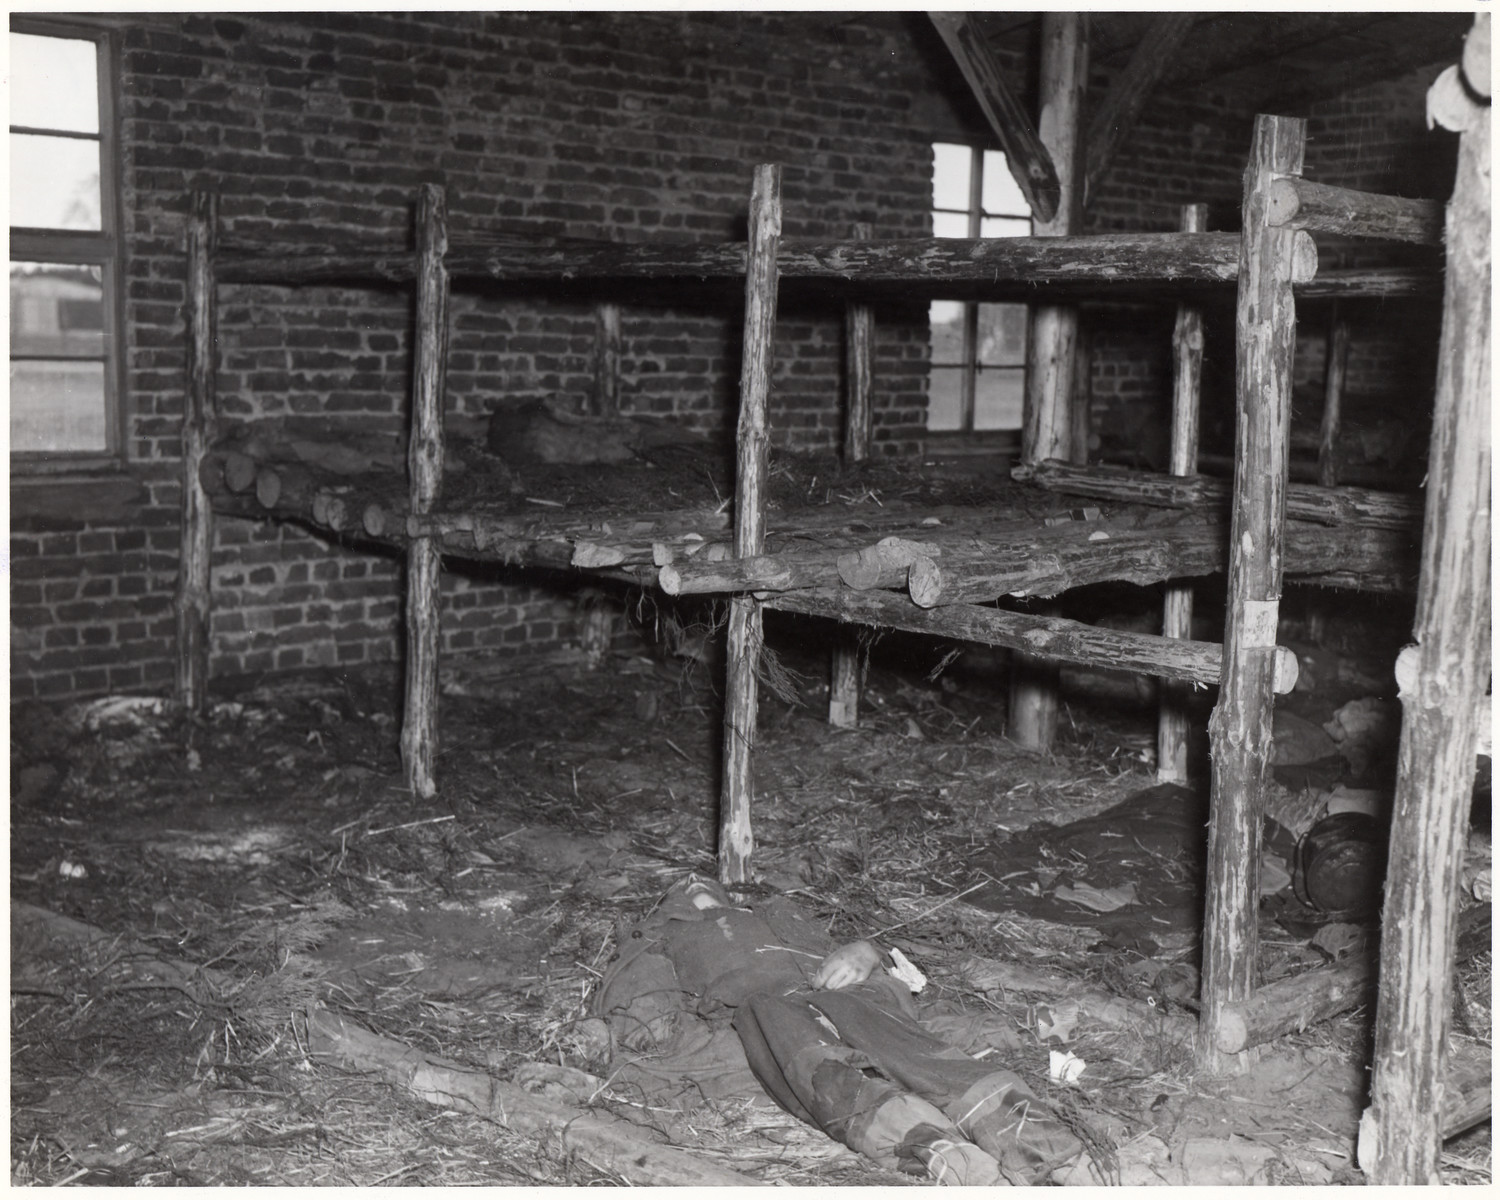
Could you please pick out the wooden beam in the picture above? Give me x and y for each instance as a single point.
(859, 349)
(425, 451)
(1177, 604)
(194, 596)
(1121, 109)
(1025, 152)
(1439, 680)
(1052, 337)
(753, 466)
(1336, 368)
(1240, 728)
(605, 399)
(1318, 208)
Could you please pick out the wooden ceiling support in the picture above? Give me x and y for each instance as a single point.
(1121, 109)
(1027, 158)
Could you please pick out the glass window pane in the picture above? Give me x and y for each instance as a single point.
(1000, 190)
(944, 398)
(998, 397)
(54, 182)
(57, 405)
(54, 83)
(946, 318)
(1002, 335)
(950, 225)
(998, 227)
(56, 310)
(950, 176)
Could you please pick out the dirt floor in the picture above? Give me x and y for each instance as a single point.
(243, 954)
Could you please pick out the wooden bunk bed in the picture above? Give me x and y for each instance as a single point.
(910, 567)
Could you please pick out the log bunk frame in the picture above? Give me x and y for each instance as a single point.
(1338, 535)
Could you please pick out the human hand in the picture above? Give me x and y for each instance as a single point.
(847, 966)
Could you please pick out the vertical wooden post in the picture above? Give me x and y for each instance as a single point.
(1045, 432)
(1177, 608)
(606, 397)
(1081, 397)
(752, 469)
(1441, 679)
(1240, 729)
(859, 343)
(1336, 367)
(200, 408)
(424, 461)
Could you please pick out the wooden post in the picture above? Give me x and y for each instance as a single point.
(1240, 729)
(605, 400)
(1440, 680)
(752, 469)
(194, 593)
(859, 343)
(1335, 368)
(1177, 608)
(1045, 433)
(419, 728)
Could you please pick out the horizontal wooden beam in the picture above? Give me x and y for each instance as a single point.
(1301, 204)
(1052, 637)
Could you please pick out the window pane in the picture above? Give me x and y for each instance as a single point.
(1001, 193)
(998, 397)
(944, 398)
(56, 310)
(54, 83)
(950, 175)
(998, 227)
(54, 182)
(950, 225)
(946, 318)
(57, 405)
(1002, 335)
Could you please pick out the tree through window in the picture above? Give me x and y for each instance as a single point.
(978, 379)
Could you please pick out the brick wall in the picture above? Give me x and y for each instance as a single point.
(618, 125)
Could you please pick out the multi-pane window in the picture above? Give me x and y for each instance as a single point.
(978, 379)
(64, 247)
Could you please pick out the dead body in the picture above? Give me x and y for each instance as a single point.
(705, 997)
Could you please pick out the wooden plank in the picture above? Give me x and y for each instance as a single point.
(1172, 722)
(419, 726)
(1316, 207)
(1440, 679)
(736, 840)
(1052, 335)
(1127, 97)
(194, 598)
(1240, 728)
(1025, 152)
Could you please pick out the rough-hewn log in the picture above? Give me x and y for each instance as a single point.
(1028, 158)
(419, 726)
(1296, 203)
(1440, 683)
(1052, 332)
(859, 355)
(605, 400)
(194, 597)
(1240, 728)
(1304, 502)
(1291, 1005)
(1333, 397)
(1152, 57)
(1055, 637)
(761, 572)
(1172, 723)
(736, 840)
(1364, 283)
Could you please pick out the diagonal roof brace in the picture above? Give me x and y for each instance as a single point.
(1027, 158)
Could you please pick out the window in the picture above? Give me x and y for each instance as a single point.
(978, 379)
(64, 247)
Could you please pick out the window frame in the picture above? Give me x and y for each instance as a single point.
(103, 248)
(970, 366)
